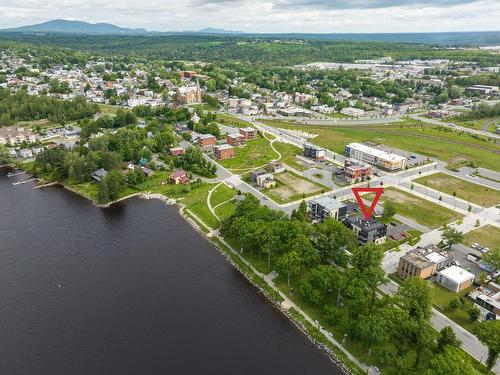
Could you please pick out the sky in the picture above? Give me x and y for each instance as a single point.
(265, 16)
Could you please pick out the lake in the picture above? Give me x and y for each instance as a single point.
(132, 289)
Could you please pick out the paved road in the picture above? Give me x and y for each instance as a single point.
(337, 121)
(453, 126)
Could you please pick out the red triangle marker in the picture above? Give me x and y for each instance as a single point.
(367, 211)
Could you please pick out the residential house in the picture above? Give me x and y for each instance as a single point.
(99, 174)
(179, 177)
(176, 151)
(275, 167)
(266, 181)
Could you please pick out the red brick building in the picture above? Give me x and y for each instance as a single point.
(248, 133)
(207, 141)
(176, 151)
(355, 171)
(223, 152)
(235, 139)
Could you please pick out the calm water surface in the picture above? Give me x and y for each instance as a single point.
(129, 290)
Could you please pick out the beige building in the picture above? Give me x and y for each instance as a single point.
(414, 264)
(189, 94)
(14, 136)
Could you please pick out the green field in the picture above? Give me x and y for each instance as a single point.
(441, 298)
(230, 120)
(488, 236)
(422, 211)
(463, 189)
(288, 153)
(432, 141)
(222, 194)
(255, 153)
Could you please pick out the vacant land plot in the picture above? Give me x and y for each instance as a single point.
(463, 189)
(291, 187)
(423, 212)
(432, 141)
(488, 236)
(254, 154)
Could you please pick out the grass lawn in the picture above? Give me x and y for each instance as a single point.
(441, 297)
(255, 153)
(291, 187)
(222, 194)
(232, 121)
(107, 109)
(423, 212)
(288, 153)
(488, 236)
(225, 210)
(463, 189)
(427, 140)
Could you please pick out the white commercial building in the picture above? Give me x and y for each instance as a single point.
(375, 156)
(455, 278)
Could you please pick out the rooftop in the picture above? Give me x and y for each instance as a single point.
(329, 203)
(418, 260)
(375, 152)
(361, 222)
(457, 274)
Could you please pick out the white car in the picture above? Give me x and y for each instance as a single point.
(475, 246)
(485, 249)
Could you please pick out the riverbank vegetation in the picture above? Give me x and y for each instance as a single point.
(340, 291)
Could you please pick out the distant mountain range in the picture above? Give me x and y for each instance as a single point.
(75, 27)
(80, 27)
(211, 30)
(460, 38)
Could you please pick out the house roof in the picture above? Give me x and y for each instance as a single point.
(178, 174)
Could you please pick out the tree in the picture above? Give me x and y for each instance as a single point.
(366, 271)
(488, 332)
(115, 182)
(474, 313)
(300, 212)
(389, 210)
(447, 338)
(492, 258)
(136, 177)
(450, 362)
(5, 157)
(414, 298)
(103, 193)
(290, 263)
(451, 236)
(332, 238)
(454, 303)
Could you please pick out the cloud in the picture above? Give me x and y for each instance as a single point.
(336, 4)
(315, 16)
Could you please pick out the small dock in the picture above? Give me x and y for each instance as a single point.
(14, 174)
(24, 182)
